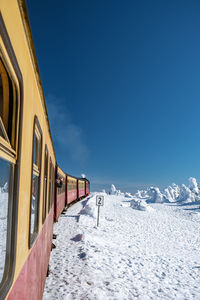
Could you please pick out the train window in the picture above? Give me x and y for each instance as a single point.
(9, 110)
(8, 107)
(45, 195)
(35, 186)
(50, 185)
(61, 190)
(63, 186)
(53, 185)
(71, 185)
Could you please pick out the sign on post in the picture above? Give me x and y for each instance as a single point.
(99, 202)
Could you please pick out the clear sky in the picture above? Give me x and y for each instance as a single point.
(122, 86)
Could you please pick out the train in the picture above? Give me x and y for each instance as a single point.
(34, 190)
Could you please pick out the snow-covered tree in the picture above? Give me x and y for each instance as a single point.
(193, 185)
(155, 196)
(113, 190)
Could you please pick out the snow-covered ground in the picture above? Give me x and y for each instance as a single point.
(146, 247)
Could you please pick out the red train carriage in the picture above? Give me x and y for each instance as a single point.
(71, 189)
(60, 195)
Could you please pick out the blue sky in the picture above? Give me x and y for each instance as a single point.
(122, 86)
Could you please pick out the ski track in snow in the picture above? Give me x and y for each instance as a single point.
(152, 254)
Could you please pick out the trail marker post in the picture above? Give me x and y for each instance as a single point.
(99, 202)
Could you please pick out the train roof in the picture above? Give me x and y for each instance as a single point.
(78, 178)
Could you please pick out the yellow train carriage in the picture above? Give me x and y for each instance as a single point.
(27, 161)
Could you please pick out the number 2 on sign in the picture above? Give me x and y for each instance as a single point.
(100, 200)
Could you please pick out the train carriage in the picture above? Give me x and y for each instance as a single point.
(33, 189)
(27, 162)
(71, 191)
(81, 188)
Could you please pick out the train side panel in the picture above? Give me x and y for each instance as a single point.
(31, 280)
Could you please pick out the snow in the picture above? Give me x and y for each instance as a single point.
(3, 227)
(150, 253)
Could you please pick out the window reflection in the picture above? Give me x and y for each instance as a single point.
(5, 168)
(36, 150)
(34, 204)
(35, 192)
(50, 189)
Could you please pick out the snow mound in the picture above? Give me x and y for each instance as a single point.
(139, 205)
(128, 195)
(89, 210)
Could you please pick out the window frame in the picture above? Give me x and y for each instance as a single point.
(50, 184)
(35, 170)
(53, 185)
(11, 142)
(45, 184)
